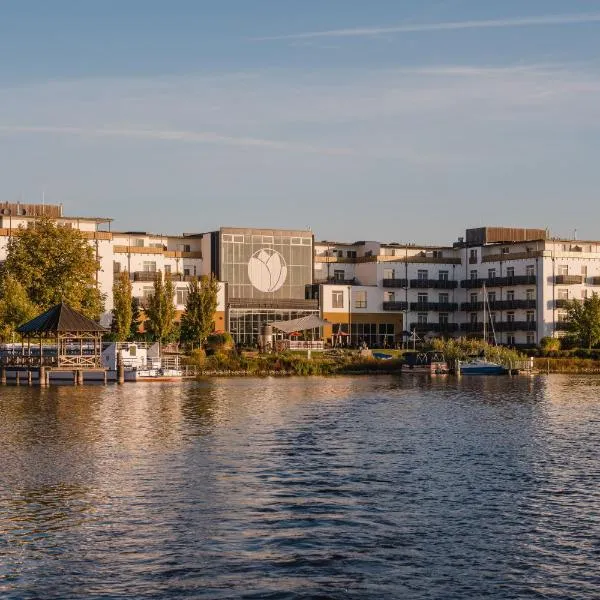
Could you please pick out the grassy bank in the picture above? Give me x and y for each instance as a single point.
(567, 365)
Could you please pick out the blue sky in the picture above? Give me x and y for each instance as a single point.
(390, 120)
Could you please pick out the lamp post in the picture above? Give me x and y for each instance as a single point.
(349, 315)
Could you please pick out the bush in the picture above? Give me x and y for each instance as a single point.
(549, 345)
(219, 342)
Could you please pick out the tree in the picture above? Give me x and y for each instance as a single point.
(55, 264)
(122, 311)
(136, 318)
(161, 310)
(15, 307)
(584, 320)
(197, 320)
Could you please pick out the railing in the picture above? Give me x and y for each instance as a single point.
(338, 281)
(499, 305)
(395, 305)
(568, 279)
(498, 281)
(435, 306)
(434, 327)
(515, 325)
(304, 345)
(441, 284)
(563, 302)
(562, 326)
(594, 280)
(472, 327)
(300, 304)
(395, 283)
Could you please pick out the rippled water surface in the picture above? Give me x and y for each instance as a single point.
(405, 487)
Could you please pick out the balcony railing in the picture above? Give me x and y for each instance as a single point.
(436, 306)
(399, 306)
(515, 325)
(434, 327)
(499, 305)
(563, 302)
(472, 327)
(594, 280)
(568, 279)
(338, 281)
(395, 283)
(562, 326)
(150, 275)
(498, 281)
(440, 284)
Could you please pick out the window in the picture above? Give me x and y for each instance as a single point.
(510, 271)
(491, 297)
(437, 254)
(473, 256)
(360, 299)
(337, 299)
(562, 293)
(167, 269)
(422, 274)
(530, 270)
(186, 272)
(530, 338)
(182, 295)
(155, 245)
(473, 317)
(116, 267)
(493, 317)
(339, 253)
(422, 298)
(444, 298)
(389, 296)
(473, 274)
(339, 275)
(584, 294)
(510, 317)
(530, 294)
(491, 273)
(505, 250)
(510, 339)
(561, 316)
(510, 295)
(443, 275)
(530, 316)
(148, 291)
(563, 269)
(443, 318)
(584, 270)
(388, 273)
(138, 243)
(422, 318)
(473, 297)
(351, 253)
(149, 266)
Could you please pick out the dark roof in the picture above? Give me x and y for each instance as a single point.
(60, 318)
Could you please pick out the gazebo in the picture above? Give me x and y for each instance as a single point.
(292, 326)
(61, 338)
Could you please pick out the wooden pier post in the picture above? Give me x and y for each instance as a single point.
(42, 376)
(120, 371)
(3, 376)
(29, 377)
(79, 373)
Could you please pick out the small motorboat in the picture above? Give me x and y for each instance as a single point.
(480, 366)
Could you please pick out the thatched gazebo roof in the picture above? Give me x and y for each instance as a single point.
(60, 319)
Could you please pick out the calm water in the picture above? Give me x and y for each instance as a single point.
(402, 487)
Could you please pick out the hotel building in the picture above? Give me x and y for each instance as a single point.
(521, 279)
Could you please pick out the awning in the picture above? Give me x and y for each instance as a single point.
(301, 324)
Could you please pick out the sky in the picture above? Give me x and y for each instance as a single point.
(389, 120)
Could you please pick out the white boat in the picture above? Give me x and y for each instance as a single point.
(141, 361)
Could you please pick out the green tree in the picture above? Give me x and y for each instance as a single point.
(15, 307)
(584, 320)
(122, 311)
(161, 310)
(197, 320)
(136, 318)
(55, 264)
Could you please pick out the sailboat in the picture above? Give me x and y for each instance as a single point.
(481, 366)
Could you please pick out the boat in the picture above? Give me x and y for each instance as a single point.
(481, 366)
(141, 362)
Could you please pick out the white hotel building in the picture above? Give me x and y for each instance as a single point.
(370, 290)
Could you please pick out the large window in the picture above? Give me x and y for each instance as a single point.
(443, 275)
(530, 270)
(388, 273)
(149, 266)
(337, 299)
(422, 274)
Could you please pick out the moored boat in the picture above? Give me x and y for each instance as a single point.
(481, 366)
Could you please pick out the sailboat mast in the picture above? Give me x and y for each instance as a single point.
(484, 315)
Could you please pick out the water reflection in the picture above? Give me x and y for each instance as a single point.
(411, 486)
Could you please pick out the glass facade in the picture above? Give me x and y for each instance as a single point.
(266, 264)
(245, 323)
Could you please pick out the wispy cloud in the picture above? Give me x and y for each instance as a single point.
(201, 137)
(536, 21)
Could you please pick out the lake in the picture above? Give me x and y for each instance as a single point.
(343, 487)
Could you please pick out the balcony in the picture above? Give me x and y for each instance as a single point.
(440, 284)
(594, 280)
(499, 281)
(472, 327)
(150, 275)
(562, 326)
(434, 327)
(562, 303)
(515, 325)
(395, 283)
(436, 306)
(471, 306)
(338, 281)
(568, 279)
(397, 306)
(499, 305)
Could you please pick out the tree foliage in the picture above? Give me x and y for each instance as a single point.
(122, 311)
(197, 320)
(161, 310)
(15, 307)
(136, 318)
(584, 320)
(55, 264)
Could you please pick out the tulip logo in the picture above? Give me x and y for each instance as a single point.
(267, 270)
